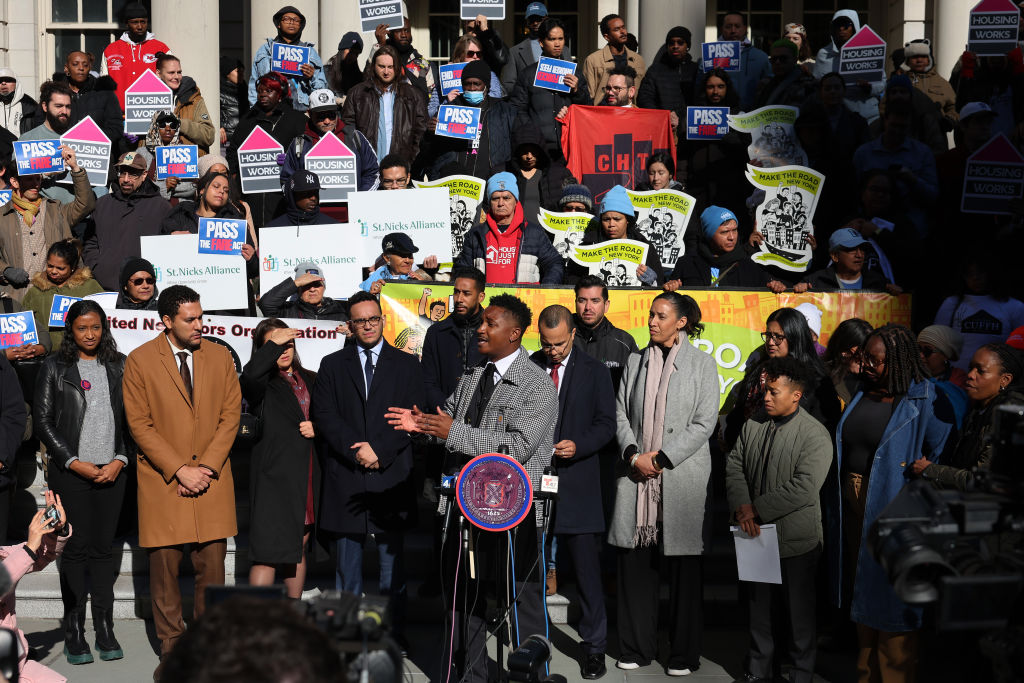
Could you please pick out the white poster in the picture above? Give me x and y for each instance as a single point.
(566, 228)
(662, 217)
(773, 140)
(333, 247)
(424, 214)
(464, 196)
(614, 261)
(785, 217)
(219, 279)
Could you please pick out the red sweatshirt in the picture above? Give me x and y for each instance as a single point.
(503, 249)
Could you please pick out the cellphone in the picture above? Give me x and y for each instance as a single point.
(52, 516)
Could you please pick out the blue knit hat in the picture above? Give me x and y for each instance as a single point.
(502, 182)
(617, 199)
(713, 217)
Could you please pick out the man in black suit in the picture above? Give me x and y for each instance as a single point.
(449, 349)
(367, 473)
(586, 423)
(506, 403)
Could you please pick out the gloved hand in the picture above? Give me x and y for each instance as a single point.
(131, 138)
(968, 61)
(755, 199)
(280, 159)
(16, 277)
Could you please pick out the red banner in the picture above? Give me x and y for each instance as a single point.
(607, 146)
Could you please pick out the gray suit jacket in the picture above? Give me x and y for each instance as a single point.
(691, 417)
(520, 415)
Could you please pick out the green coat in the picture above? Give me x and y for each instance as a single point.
(784, 491)
(39, 298)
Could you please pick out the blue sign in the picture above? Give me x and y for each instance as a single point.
(551, 74)
(38, 156)
(458, 122)
(724, 55)
(59, 309)
(451, 78)
(494, 492)
(17, 329)
(177, 161)
(288, 59)
(221, 236)
(706, 123)
(5, 196)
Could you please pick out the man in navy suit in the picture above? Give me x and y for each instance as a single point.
(586, 424)
(367, 473)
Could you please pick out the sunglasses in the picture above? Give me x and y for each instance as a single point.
(473, 53)
(139, 280)
(329, 114)
(168, 124)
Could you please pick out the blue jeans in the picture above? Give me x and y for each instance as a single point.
(349, 575)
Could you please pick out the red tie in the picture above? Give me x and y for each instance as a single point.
(554, 375)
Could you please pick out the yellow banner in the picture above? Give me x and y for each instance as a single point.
(734, 320)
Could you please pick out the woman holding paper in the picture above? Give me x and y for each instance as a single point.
(667, 411)
(189, 106)
(79, 416)
(65, 276)
(617, 221)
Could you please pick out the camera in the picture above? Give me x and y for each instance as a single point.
(526, 662)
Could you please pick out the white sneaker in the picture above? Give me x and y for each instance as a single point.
(627, 665)
(311, 593)
(678, 672)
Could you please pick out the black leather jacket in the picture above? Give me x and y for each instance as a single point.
(59, 409)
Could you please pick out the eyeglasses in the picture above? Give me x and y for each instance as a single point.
(773, 337)
(398, 182)
(290, 20)
(363, 322)
(473, 53)
(139, 280)
(871, 362)
(614, 88)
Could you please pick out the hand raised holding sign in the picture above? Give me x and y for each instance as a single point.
(307, 70)
(381, 33)
(69, 158)
(571, 80)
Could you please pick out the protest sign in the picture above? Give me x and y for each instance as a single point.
(220, 281)
(723, 54)
(662, 217)
(5, 196)
(258, 169)
(773, 140)
(144, 98)
(221, 236)
(316, 338)
(59, 309)
(451, 77)
(785, 217)
(17, 329)
(733, 320)
(92, 150)
(566, 228)
(614, 261)
(994, 177)
(862, 58)
(464, 196)
(38, 156)
(288, 59)
(608, 146)
(707, 123)
(281, 249)
(372, 13)
(458, 122)
(992, 29)
(423, 214)
(551, 74)
(177, 161)
(492, 9)
(335, 165)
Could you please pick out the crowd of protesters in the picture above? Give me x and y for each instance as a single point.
(815, 440)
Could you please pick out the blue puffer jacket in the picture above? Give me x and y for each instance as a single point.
(918, 428)
(301, 87)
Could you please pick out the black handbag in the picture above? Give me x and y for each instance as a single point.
(250, 427)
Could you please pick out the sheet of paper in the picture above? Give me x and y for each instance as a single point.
(757, 558)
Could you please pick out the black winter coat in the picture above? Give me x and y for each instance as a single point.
(59, 409)
(586, 416)
(498, 118)
(97, 97)
(694, 270)
(12, 421)
(541, 105)
(234, 101)
(449, 352)
(606, 343)
(358, 500)
(668, 86)
(362, 110)
(278, 303)
(280, 469)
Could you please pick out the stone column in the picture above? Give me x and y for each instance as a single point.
(261, 17)
(191, 28)
(656, 18)
(950, 35)
(337, 19)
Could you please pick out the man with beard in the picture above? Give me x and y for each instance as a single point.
(527, 51)
(134, 52)
(594, 332)
(612, 58)
(55, 100)
(290, 23)
(411, 67)
(620, 89)
(95, 97)
(669, 83)
(132, 209)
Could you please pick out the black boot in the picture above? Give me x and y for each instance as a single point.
(106, 643)
(75, 648)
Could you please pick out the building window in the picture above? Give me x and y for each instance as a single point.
(444, 28)
(764, 20)
(85, 25)
(818, 18)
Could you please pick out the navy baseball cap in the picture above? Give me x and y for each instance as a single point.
(536, 9)
(397, 243)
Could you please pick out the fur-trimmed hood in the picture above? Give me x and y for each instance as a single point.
(77, 279)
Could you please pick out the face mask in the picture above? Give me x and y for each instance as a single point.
(474, 97)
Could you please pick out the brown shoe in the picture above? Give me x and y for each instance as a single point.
(552, 582)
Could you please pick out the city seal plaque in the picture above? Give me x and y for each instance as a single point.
(494, 492)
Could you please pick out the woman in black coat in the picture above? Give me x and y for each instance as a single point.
(284, 480)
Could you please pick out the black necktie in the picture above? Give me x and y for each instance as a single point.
(368, 370)
(482, 396)
(186, 374)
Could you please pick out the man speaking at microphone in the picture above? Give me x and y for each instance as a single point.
(508, 402)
